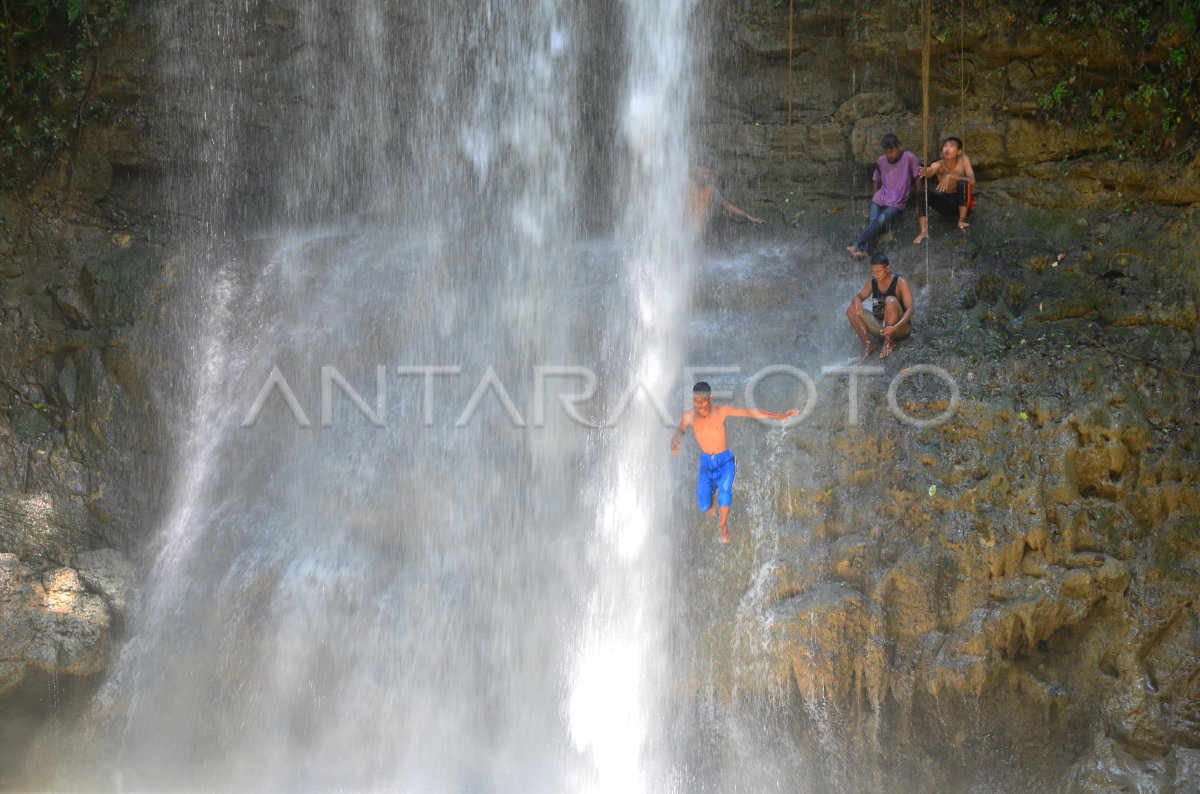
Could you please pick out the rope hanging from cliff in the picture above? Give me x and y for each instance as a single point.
(927, 45)
(791, 53)
(962, 70)
(925, 54)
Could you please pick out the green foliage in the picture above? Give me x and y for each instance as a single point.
(46, 46)
(1058, 98)
(1155, 105)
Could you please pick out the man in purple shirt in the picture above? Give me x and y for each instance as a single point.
(895, 177)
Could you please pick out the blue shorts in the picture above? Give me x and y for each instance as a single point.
(716, 474)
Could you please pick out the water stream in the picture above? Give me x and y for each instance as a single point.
(395, 559)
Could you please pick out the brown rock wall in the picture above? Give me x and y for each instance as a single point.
(848, 75)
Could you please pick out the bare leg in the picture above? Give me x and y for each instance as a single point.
(860, 328)
(725, 525)
(891, 313)
(963, 216)
(923, 235)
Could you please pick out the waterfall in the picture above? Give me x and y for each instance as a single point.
(414, 542)
(619, 676)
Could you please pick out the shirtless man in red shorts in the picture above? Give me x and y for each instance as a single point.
(954, 193)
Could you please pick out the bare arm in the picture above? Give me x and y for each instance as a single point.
(967, 172)
(910, 305)
(863, 294)
(684, 423)
(756, 414)
(737, 213)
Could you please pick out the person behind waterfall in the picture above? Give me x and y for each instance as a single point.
(954, 194)
(717, 466)
(895, 181)
(704, 199)
(891, 313)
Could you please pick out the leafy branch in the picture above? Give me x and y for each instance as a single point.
(42, 85)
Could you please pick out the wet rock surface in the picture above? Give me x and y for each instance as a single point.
(897, 587)
(79, 447)
(795, 109)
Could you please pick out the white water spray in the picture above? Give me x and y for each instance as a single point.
(390, 604)
(620, 678)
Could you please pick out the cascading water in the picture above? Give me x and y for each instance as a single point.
(393, 560)
(618, 673)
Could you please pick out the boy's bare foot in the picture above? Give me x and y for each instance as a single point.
(725, 538)
(921, 238)
(963, 224)
(868, 349)
(857, 254)
(888, 349)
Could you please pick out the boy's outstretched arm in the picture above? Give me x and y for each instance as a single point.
(684, 423)
(756, 414)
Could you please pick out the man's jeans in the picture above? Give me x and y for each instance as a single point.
(878, 219)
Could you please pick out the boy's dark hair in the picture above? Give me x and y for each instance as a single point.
(880, 258)
(957, 141)
(701, 388)
(890, 141)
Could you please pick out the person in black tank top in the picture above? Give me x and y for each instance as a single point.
(892, 307)
(879, 297)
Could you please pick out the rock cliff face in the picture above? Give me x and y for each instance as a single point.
(81, 438)
(797, 108)
(1036, 556)
(80, 446)
(901, 587)
(990, 602)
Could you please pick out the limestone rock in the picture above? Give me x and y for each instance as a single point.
(867, 105)
(1110, 769)
(1184, 769)
(830, 638)
(70, 628)
(109, 574)
(1102, 465)
(49, 620)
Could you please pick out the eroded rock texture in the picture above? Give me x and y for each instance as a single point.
(1015, 585)
(1008, 598)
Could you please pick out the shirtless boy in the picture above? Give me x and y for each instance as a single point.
(704, 199)
(717, 466)
(953, 194)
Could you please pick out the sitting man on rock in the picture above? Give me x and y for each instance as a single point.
(895, 180)
(954, 195)
(892, 307)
